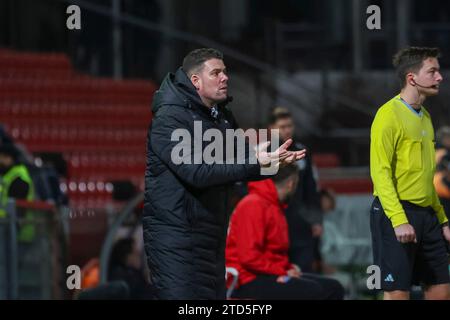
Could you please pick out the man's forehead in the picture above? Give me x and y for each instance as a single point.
(214, 64)
(284, 121)
(429, 63)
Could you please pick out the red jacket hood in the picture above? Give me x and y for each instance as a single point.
(265, 189)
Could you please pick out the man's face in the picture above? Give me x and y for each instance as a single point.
(428, 76)
(292, 186)
(327, 204)
(6, 161)
(446, 142)
(211, 82)
(286, 127)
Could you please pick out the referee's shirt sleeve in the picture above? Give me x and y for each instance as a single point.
(438, 208)
(383, 139)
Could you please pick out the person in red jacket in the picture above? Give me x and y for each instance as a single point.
(258, 243)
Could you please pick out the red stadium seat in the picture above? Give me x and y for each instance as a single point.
(326, 160)
(99, 125)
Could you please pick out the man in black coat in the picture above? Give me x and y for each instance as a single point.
(185, 210)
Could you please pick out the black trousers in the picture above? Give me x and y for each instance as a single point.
(307, 287)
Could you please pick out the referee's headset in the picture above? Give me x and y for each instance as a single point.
(414, 83)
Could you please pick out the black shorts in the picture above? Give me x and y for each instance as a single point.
(405, 264)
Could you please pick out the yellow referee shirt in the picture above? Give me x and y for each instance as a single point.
(402, 161)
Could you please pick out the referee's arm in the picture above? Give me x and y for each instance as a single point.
(438, 208)
(383, 137)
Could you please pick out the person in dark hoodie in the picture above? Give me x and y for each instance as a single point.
(186, 216)
(125, 264)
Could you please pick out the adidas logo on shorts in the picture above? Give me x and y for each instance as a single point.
(389, 278)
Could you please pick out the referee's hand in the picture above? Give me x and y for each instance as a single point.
(446, 232)
(405, 233)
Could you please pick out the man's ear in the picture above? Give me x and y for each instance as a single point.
(195, 79)
(410, 79)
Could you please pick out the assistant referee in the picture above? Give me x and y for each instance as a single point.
(408, 224)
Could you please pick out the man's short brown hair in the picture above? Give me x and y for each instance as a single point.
(284, 173)
(279, 113)
(411, 60)
(193, 62)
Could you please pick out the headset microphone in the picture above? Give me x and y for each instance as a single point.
(426, 87)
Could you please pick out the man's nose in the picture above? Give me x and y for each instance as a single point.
(224, 77)
(439, 77)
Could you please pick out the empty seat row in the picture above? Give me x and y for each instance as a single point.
(131, 114)
(326, 160)
(72, 85)
(57, 133)
(21, 60)
(76, 125)
(99, 125)
(39, 96)
(8, 72)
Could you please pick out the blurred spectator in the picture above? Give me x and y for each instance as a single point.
(4, 137)
(303, 214)
(16, 183)
(442, 175)
(442, 181)
(91, 289)
(90, 274)
(125, 264)
(327, 200)
(327, 204)
(258, 244)
(442, 142)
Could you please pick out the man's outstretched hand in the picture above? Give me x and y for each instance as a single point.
(280, 157)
